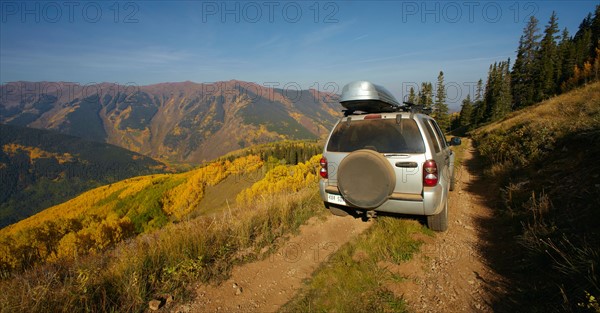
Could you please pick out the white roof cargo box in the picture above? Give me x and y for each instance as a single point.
(368, 97)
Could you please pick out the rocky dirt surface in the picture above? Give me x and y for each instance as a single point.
(449, 274)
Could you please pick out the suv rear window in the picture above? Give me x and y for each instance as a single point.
(382, 135)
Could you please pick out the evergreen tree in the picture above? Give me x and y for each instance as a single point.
(412, 97)
(505, 96)
(426, 95)
(583, 41)
(440, 106)
(497, 98)
(519, 76)
(491, 92)
(547, 61)
(584, 26)
(479, 91)
(595, 29)
(595, 50)
(567, 60)
(583, 66)
(523, 74)
(478, 105)
(465, 112)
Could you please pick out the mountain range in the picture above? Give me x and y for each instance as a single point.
(182, 122)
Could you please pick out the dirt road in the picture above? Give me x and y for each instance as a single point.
(447, 275)
(266, 285)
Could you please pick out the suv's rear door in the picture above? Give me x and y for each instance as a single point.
(398, 139)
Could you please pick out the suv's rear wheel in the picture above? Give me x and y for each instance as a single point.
(439, 222)
(366, 179)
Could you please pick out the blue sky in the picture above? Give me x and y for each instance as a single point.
(307, 43)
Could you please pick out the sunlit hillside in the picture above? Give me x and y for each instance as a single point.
(102, 217)
(73, 256)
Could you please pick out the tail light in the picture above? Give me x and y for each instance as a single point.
(430, 173)
(323, 170)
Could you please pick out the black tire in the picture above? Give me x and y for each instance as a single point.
(439, 222)
(366, 179)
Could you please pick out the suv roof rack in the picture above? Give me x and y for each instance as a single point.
(407, 107)
(416, 108)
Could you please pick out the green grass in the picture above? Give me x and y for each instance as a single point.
(353, 280)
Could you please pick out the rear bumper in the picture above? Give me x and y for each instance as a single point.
(427, 203)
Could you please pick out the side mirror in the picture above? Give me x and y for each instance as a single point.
(455, 141)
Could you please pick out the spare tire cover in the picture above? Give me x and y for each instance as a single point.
(366, 179)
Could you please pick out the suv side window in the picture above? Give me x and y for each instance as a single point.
(436, 143)
(440, 134)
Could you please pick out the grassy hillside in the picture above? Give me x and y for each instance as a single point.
(39, 169)
(82, 264)
(545, 160)
(106, 215)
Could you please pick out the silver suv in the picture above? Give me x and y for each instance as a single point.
(383, 156)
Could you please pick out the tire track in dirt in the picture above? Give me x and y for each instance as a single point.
(266, 285)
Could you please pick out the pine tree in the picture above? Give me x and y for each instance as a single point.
(498, 98)
(581, 67)
(479, 91)
(491, 92)
(412, 97)
(505, 96)
(583, 41)
(465, 112)
(566, 60)
(595, 30)
(595, 49)
(440, 106)
(478, 105)
(523, 74)
(519, 75)
(547, 61)
(426, 95)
